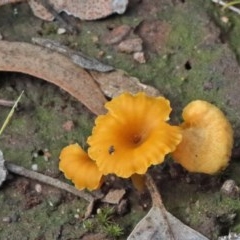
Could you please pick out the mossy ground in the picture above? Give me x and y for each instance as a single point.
(198, 60)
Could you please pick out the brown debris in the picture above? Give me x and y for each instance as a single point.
(123, 207)
(230, 189)
(116, 82)
(117, 34)
(139, 57)
(32, 200)
(131, 45)
(22, 185)
(154, 34)
(68, 125)
(114, 196)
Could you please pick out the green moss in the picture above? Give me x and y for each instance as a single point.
(43, 220)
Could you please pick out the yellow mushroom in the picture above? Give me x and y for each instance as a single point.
(207, 139)
(133, 135)
(78, 167)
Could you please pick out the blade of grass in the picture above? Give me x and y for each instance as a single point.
(10, 114)
(231, 4)
(228, 5)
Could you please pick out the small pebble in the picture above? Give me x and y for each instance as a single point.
(101, 54)
(224, 19)
(117, 34)
(34, 167)
(35, 155)
(99, 210)
(139, 57)
(95, 39)
(230, 188)
(61, 31)
(131, 45)
(7, 219)
(114, 196)
(76, 216)
(38, 188)
(15, 11)
(68, 126)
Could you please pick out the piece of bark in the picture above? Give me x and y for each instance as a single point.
(55, 68)
(83, 9)
(114, 196)
(117, 82)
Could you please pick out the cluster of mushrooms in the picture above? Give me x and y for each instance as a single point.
(135, 134)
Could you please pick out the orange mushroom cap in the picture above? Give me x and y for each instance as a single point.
(207, 139)
(133, 135)
(78, 167)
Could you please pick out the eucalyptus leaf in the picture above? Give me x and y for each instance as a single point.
(153, 227)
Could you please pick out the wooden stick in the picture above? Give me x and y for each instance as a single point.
(6, 103)
(48, 180)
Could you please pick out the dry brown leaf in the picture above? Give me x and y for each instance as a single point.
(52, 67)
(159, 224)
(113, 83)
(153, 227)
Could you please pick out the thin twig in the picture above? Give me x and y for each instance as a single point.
(76, 57)
(63, 22)
(6, 103)
(48, 180)
(222, 3)
(157, 202)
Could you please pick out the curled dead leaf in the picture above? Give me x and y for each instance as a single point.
(159, 224)
(52, 67)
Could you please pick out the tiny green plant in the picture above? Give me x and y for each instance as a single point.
(104, 215)
(89, 225)
(104, 223)
(10, 114)
(113, 230)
